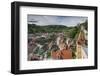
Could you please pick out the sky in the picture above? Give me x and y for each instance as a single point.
(55, 20)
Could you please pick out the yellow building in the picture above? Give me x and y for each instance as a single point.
(80, 52)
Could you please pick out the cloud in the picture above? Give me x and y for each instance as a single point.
(56, 20)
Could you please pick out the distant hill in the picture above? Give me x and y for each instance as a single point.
(33, 28)
(69, 31)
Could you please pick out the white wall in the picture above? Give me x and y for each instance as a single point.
(5, 41)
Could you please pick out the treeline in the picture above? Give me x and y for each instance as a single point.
(33, 28)
(69, 31)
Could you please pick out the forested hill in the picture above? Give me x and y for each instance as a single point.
(33, 28)
(70, 31)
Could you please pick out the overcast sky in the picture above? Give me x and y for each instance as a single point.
(55, 20)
